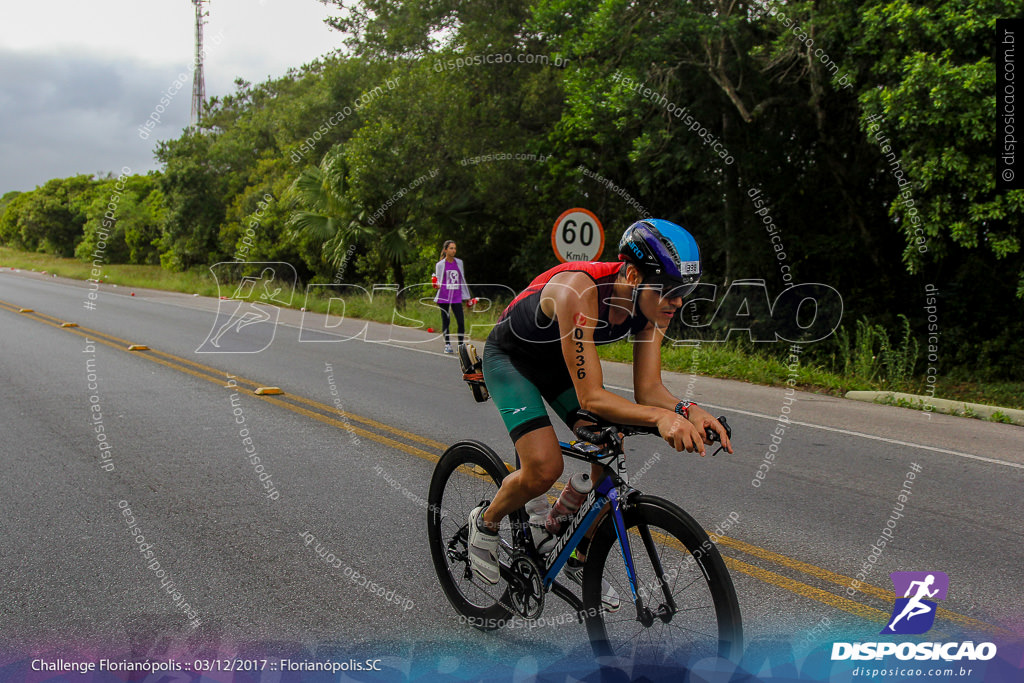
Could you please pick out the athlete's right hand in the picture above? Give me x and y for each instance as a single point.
(680, 433)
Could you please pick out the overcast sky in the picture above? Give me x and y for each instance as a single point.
(78, 79)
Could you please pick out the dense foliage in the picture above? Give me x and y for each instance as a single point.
(845, 143)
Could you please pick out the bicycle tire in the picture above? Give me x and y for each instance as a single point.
(707, 621)
(455, 489)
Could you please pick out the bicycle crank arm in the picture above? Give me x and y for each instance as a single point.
(511, 578)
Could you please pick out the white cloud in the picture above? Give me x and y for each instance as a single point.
(77, 79)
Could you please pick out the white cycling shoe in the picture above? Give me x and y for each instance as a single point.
(482, 549)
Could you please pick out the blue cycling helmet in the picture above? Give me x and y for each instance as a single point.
(666, 254)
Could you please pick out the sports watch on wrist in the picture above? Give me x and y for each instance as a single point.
(683, 408)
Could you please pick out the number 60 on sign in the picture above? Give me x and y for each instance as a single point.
(577, 236)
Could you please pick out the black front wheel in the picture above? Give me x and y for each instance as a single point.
(467, 475)
(690, 610)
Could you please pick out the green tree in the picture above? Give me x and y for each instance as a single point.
(102, 239)
(52, 216)
(10, 216)
(195, 184)
(933, 100)
(460, 122)
(143, 233)
(928, 110)
(321, 213)
(123, 222)
(6, 199)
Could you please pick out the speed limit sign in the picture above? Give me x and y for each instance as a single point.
(577, 236)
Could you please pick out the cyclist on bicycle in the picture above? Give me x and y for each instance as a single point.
(543, 349)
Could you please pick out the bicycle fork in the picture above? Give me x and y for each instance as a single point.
(644, 614)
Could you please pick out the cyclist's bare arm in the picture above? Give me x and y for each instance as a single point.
(649, 390)
(571, 299)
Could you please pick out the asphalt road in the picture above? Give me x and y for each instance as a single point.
(349, 449)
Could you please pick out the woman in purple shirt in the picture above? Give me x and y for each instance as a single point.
(450, 282)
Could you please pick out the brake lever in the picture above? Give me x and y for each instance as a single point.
(610, 436)
(712, 435)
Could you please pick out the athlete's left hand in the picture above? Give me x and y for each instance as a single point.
(702, 419)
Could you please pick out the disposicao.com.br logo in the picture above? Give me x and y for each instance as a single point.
(914, 613)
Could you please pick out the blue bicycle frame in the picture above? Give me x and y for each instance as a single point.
(576, 528)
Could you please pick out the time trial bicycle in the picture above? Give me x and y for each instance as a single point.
(680, 602)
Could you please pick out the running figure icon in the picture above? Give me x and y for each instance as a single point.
(247, 287)
(915, 608)
(247, 319)
(248, 310)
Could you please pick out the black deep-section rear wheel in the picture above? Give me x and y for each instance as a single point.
(690, 614)
(468, 474)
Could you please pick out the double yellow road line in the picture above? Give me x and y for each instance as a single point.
(410, 443)
(430, 450)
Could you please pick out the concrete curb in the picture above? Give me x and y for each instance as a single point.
(938, 405)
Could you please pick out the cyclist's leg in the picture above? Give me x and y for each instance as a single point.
(540, 459)
(540, 467)
(522, 409)
(565, 405)
(521, 404)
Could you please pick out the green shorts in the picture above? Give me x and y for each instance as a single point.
(519, 388)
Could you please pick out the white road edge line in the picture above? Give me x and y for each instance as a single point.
(395, 343)
(853, 433)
